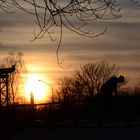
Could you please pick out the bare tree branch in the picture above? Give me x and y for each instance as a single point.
(74, 15)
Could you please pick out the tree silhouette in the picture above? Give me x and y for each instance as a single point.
(65, 89)
(73, 15)
(56, 13)
(16, 78)
(85, 82)
(94, 75)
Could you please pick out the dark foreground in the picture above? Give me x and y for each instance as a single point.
(75, 133)
(123, 133)
(91, 120)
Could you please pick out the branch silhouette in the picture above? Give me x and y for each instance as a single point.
(73, 15)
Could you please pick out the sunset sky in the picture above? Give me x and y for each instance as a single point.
(120, 45)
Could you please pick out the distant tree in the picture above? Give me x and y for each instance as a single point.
(16, 78)
(85, 82)
(92, 76)
(65, 89)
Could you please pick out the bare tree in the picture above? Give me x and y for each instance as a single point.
(65, 89)
(94, 75)
(16, 78)
(86, 81)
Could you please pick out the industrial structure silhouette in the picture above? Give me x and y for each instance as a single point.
(4, 85)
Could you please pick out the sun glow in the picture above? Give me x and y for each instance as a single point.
(39, 90)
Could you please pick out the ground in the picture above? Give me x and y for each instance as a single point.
(85, 130)
(109, 133)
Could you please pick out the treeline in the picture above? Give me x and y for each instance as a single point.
(85, 82)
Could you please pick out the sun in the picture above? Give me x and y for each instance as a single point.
(37, 88)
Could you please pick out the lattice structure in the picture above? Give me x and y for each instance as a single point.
(4, 85)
